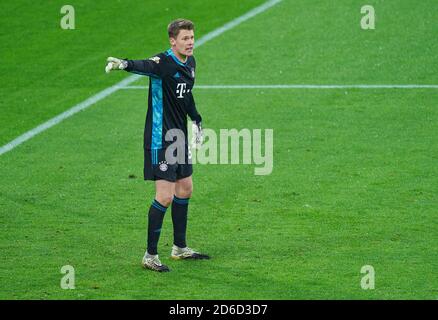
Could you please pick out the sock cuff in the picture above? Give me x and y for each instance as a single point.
(181, 200)
(159, 206)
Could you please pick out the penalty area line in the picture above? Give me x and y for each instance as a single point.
(307, 86)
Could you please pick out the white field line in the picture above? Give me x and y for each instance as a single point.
(309, 86)
(132, 78)
(237, 21)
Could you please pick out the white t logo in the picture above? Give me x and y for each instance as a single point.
(180, 89)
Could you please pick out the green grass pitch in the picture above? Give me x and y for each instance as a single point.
(355, 176)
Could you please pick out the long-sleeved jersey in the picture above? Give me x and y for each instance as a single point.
(170, 96)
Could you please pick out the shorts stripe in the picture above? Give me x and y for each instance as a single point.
(154, 154)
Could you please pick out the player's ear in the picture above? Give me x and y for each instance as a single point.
(172, 41)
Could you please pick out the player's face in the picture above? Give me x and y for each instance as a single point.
(184, 42)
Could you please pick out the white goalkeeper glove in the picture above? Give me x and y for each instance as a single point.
(115, 64)
(197, 135)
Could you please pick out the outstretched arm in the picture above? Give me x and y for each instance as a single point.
(148, 67)
(115, 64)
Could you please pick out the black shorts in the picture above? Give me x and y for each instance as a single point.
(157, 168)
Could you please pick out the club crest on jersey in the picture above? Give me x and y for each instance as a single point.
(155, 59)
(163, 166)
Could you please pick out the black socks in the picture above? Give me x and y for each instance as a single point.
(155, 217)
(179, 219)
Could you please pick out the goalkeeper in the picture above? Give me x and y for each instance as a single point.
(171, 79)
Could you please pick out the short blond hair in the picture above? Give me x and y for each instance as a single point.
(175, 26)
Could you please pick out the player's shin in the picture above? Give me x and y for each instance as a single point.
(155, 222)
(179, 219)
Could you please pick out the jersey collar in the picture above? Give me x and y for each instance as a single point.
(170, 53)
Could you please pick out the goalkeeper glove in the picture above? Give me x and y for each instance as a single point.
(115, 64)
(197, 135)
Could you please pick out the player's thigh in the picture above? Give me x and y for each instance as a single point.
(164, 191)
(184, 187)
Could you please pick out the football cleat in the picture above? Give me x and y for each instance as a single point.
(152, 262)
(186, 253)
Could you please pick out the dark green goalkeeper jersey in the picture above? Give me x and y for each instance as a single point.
(170, 96)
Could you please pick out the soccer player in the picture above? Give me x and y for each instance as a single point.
(171, 79)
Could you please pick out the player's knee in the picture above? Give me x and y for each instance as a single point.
(164, 199)
(185, 192)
